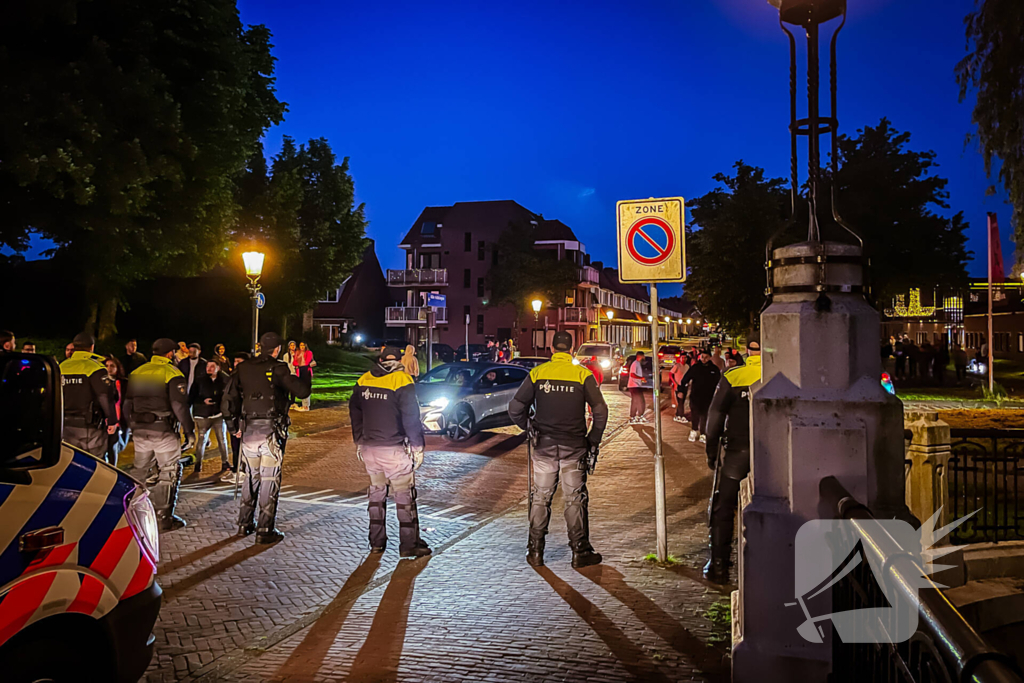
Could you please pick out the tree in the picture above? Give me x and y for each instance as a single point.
(994, 67)
(726, 238)
(527, 273)
(124, 127)
(303, 212)
(888, 194)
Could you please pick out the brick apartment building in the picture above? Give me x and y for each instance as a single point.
(450, 250)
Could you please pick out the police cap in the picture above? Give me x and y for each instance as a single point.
(390, 353)
(270, 341)
(754, 341)
(163, 346)
(562, 341)
(83, 339)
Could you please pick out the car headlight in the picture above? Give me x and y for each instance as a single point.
(142, 520)
(441, 402)
(606, 363)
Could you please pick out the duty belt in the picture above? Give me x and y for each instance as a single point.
(150, 418)
(79, 421)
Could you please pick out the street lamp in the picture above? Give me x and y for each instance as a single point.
(253, 261)
(608, 330)
(536, 304)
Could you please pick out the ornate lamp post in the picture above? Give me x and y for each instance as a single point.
(536, 304)
(253, 261)
(608, 329)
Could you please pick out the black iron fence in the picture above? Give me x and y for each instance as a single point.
(944, 647)
(985, 474)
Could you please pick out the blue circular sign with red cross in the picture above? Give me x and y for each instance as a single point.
(650, 241)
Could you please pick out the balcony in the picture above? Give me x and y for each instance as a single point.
(417, 277)
(400, 316)
(573, 315)
(589, 277)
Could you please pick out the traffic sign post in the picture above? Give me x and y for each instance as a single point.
(652, 249)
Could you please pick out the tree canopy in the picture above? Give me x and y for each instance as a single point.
(994, 68)
(887, 192)
(123, 129)
(303, 212)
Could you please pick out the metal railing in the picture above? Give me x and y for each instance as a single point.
(413, 314)
(944, 649)
(985, 474)
(589, 277)
(575, 314)
(418, 276)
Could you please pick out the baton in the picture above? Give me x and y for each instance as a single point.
(714, 482)
(529, 463)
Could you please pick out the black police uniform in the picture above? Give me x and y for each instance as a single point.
(385, 423)
(560, 392)
(728, 424)
(257, 396)
(89, 402)
(156, 406)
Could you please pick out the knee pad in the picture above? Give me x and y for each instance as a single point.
(403, 482)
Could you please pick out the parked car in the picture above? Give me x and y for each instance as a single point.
(478, 353)
(529, 362)
(668, 354)
(78, 590)
(443, 353)
(648, 367)
(459, 399)
(606, 356)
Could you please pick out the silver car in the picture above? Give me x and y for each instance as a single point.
(459, 399)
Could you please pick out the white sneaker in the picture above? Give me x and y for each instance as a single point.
(703, 439)
(693, 435)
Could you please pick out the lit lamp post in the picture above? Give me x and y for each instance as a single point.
(253, 269)
(608, 330)
(536, 304)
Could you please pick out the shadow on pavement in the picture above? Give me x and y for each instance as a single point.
(630, 655)
(378, 658)
(307, 658)
(193, 580)
(198, 554)
(703, 656)
(507, 444)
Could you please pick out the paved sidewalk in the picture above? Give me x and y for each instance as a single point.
(317, 608)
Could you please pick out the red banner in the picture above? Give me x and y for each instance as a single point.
(995, 260)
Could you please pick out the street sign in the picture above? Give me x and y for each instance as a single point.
(436, 300)
(261, 300)
(651, 240)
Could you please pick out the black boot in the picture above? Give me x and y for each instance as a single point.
(583, 555)
(535, 552)
(717, 568)
(165, 494)
(268, 536)
(377, 497)
(246, 529)
(409, 542)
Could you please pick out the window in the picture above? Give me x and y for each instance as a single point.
(465, 314)
(480, 250)
(466, 278)
(479, 286)
(480, 323)
(469, 241)
(430, 260)
(330, 298)
(427, 228)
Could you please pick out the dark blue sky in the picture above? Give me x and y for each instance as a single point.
(568, 107)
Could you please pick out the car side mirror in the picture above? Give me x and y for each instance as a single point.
(31, 415)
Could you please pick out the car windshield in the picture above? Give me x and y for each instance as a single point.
(599, 350)
(669, 349)
(454, 375)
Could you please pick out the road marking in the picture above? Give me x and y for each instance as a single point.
(461, 517)
(303, 495)
(453, 507)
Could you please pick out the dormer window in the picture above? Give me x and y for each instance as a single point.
(427, 228)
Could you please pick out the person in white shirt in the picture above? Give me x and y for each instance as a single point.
(637, 406)
(192, 366)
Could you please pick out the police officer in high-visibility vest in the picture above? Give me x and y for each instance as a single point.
(560, 393)
(90, 412)
(388, 434)
(729, 426)
(255, 406)
(156, 404)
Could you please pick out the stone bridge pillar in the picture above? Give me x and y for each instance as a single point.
(820, 410)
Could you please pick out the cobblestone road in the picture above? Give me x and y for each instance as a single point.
(317, 607)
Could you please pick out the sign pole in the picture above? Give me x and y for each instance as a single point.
(991, 370)
(661, 517)
(467, 338)
(431, 318)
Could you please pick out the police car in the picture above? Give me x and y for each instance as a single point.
(78, 545)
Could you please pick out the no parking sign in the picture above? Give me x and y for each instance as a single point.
(651, 241)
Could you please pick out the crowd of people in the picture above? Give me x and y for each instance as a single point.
(924, 362)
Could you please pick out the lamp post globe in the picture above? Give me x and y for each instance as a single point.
(253, 261)
(536, 304)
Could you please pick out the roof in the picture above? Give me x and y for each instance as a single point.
(430, 214)
(610, 280)
(555, 230)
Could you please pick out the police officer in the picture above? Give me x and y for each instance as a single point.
(729, 422)
(90, 412)
(156, 404)
(257, 396)
(388, 434)
(560, 393)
